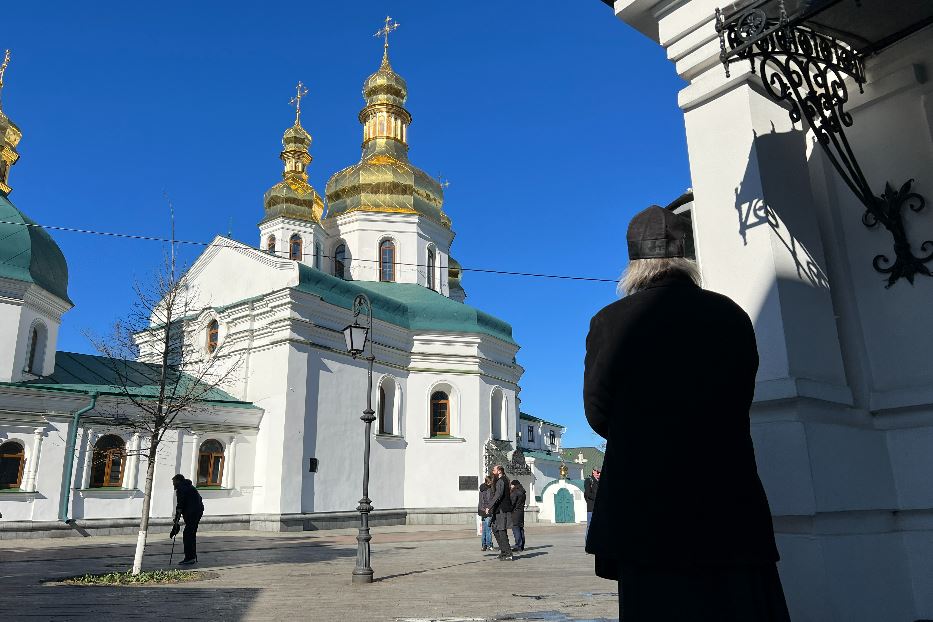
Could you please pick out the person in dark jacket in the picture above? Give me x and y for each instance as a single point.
(590, 488)
(485, 502)
(189, 506)
(501, 511)
(681, 519)
(517, 497)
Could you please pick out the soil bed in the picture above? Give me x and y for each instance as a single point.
(120, 579)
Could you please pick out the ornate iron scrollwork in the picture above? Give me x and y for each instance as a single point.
(807, 70)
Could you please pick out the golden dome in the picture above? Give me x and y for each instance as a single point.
(294, 197)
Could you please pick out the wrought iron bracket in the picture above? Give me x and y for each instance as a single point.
(807, 71)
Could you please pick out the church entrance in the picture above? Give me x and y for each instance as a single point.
(563, 507)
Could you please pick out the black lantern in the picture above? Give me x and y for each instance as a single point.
(356, 338)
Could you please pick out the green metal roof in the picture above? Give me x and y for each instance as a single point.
(528, 417)
(407, 305)
(538, 454)
(594, 457)
(29, 254)
(86, 373)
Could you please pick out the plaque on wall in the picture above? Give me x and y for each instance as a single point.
(469, 482)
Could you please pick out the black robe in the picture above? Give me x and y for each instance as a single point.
(669, 379)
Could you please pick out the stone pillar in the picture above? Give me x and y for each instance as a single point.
(32, 470)
(195, 448)
(132, 466)
(229, 476)
(88, 456)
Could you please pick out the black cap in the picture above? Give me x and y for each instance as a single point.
(656, 233)
(515, 482)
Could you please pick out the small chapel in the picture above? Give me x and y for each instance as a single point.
(280, 445)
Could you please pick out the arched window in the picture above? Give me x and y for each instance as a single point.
(213, 332)
(12, 461)
(33, 348)
(107, 462)
(496, 414)
(431, 269)
(383, 428)
(294, 247)
(270, 245)
(210, 463)
(440, 414)
(318, 255)
(340, 259)
(387, 260)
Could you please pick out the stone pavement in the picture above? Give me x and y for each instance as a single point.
(422, 573)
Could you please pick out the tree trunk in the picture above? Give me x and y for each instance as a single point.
(147, 502)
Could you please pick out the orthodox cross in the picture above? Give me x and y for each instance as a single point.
(6, 61)
(442, 181)
(300, 91)
(385, 30)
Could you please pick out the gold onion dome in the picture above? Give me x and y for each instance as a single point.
(384, 180)
(293, 197)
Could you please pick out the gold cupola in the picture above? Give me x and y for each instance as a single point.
(294, 197)
(384, 180)
(10, 135)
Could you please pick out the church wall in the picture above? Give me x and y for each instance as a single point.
(435, 464)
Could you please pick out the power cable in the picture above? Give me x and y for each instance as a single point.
(150, 238)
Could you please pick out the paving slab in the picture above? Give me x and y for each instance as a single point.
(422, 573)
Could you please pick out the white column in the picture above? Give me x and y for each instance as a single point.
(88, 455)
(228, 480)
(32, 472)
(193, 471)
(132, 466)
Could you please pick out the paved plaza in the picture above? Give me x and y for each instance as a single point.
(422, 573)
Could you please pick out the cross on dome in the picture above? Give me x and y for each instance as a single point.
(6, 61)
(384, 32)
(300, 91)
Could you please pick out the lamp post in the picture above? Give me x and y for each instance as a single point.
(357, 336)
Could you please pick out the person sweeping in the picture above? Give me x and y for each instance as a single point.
(190, 507)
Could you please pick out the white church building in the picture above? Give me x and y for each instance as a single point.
(281, 446)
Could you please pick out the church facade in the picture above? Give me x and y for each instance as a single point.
(279, 445)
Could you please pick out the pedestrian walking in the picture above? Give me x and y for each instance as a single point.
(501, 511)
(518, 496)
(189, 506)
(590, 488)
(485, 502)
(681, 520)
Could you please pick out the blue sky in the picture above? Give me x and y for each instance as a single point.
(553, 121)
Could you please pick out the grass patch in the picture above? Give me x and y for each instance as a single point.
(152, 577)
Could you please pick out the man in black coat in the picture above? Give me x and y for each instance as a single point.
(517, 496)
(501, 511)
(681, 519)
(191, 507)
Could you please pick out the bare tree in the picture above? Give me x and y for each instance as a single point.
(162, 372)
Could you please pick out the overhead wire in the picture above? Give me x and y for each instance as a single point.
(150, 238)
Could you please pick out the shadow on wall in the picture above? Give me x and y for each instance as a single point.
(783, 218)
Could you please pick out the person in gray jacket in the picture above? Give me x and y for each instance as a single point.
(485, 502)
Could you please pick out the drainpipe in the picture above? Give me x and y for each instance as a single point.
(70, 458)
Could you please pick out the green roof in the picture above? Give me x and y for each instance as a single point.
(407, 305)
(528, 417)
(538, 454)
(592, 455)
(29, 254)
(86, 373)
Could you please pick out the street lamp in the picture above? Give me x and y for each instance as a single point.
(357, 336)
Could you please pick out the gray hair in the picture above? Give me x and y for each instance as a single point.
(642, 272)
